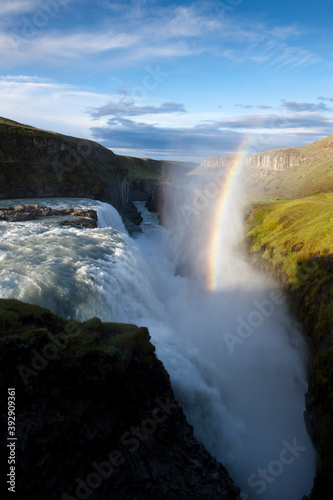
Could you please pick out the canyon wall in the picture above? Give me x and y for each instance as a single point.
(276, 160)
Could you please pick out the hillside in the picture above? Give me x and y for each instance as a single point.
(293, 241)
(289, 235)
(282, 173)
(36, 163)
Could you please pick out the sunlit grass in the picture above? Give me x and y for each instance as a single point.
(294, 241)
(292, 233)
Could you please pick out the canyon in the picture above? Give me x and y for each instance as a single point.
(40, 164)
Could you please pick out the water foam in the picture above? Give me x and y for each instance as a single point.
(243, 402)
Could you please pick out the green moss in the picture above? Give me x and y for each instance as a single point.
(32, 326)
(294, 241)
(18, 318)
(294, 234)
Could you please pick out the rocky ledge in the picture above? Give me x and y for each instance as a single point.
(18, 213)
(96, 417)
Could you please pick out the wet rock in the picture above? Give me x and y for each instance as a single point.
(80, 221)
(18, 213)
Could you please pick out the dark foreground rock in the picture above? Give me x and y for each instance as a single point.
(96, 417)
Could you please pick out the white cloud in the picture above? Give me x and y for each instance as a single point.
(10, 7)
(78, 45)
(285, 32)
(129, 137)
(185, 22)
(140, 34)
(23, 78)
(46, 104)
(129, 108)
(301, 107)
(63, 108)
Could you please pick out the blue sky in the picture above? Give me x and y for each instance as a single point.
(169, 80)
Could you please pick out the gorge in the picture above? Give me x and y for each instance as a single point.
(236, 358)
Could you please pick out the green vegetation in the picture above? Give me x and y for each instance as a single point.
(293, 241)
(144, 169)
(10, 125)
(79, 387)
(292, 233)
(53, 158)
(30, 324)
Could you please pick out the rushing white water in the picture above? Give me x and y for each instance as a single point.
(236, 357)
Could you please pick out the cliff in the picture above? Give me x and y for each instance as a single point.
(95, 414)
(276, 160)
(282, 173)
(38, 164)
(293, 242)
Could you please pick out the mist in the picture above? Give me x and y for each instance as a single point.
(236, 357)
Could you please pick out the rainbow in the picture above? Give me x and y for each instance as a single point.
(215, 252)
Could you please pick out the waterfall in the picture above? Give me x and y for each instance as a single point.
(236, 358)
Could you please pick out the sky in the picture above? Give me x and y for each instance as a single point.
(165, 80)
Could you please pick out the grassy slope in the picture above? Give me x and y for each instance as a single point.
(295, 237)
(293, 240)
(34, 325)
(291, 232)
(71, 167)
(313, 176)
(14, 124)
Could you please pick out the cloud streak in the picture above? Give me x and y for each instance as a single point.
(130, 35)
(302, 107)
(128, 108)
(129, 127)
(10, 7)
(212, 138)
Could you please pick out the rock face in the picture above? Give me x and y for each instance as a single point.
(96, 415)
(39, 164)
(278, 174)
(277, 160)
